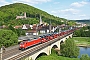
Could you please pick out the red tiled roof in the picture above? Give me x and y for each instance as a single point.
(16, 27)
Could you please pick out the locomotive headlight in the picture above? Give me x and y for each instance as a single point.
(22, 45)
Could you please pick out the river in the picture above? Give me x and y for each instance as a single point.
(84, 50)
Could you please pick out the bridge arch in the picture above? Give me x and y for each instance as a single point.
(41, 54)
(61, 42)
(70, 36)
(55, 46)
(45, 51)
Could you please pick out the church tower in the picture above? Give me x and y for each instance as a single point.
(40, 20)
(25, 14)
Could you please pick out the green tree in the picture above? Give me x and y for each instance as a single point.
(69, 49)
(84, 57)
(19, 31)
(83, 32)
(77, 33)
(8, 38)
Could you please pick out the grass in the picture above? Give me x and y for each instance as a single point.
(56, 58)
(82, 40)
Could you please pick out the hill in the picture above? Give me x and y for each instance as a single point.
(84, 21)
(8, 15)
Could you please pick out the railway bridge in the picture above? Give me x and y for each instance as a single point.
(33, 52)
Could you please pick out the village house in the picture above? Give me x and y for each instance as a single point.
(17, 27)
(40, 29)
(80, 24)
(32, 32)
(26, 26)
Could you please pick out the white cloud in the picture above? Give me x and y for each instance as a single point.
(54, 12)
(69, 13)
(31, 1)
(83, 15)
(66, 11)
(3, 2)
(77, 17)
(72, 11)
(79, 4)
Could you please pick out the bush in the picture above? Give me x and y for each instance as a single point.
(85, 57)
(8, 38)
(69, 49)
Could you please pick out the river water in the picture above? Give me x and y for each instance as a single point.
(84, 50)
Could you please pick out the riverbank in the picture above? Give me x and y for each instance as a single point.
(82, 41)
(83, 45)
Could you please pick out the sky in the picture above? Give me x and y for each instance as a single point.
(68, 9)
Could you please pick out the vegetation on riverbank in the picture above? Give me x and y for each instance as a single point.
(82, 36)
(85, 57)
(82, 41)
(56, 58)
(82, 32)
(69, 49)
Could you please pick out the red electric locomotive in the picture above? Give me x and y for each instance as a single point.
(29, 43)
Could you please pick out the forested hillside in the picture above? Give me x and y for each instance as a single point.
(84, 21)
(8, 15)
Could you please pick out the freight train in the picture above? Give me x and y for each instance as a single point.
(42, 39)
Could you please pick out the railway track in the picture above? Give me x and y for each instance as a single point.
(17, 54)
(10, 53)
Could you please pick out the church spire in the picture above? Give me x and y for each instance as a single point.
(40, 20)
